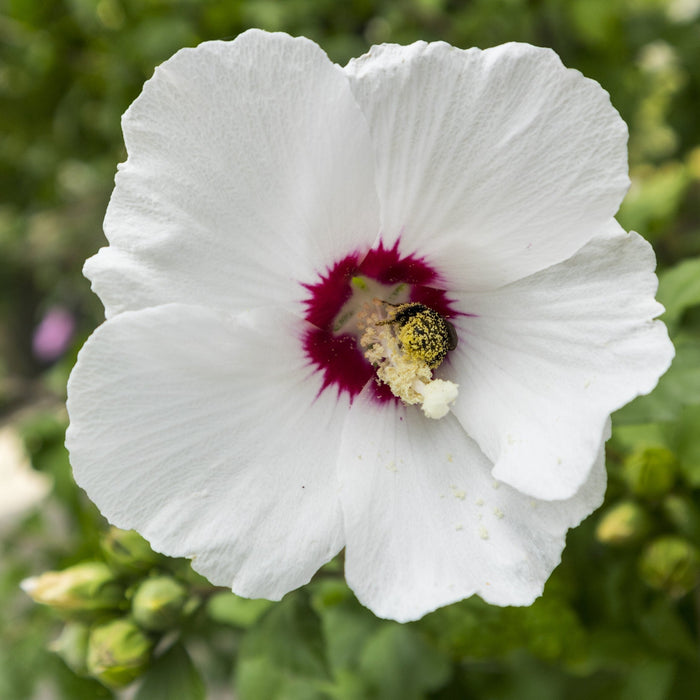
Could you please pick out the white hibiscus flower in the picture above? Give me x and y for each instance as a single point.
(273, 211)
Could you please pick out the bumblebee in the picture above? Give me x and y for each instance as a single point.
(423, 333)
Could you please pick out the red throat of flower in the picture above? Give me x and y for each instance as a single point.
(333, 344)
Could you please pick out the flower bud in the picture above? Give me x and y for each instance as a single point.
(671, 564)
(118, 652)
(71, 646)
(86, 587)
(624, 523)
(650, 472)
(128, 553)
(158, 602)
(683, 515)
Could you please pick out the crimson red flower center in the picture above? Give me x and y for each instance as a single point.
(336, 353)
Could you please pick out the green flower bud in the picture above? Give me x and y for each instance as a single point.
(650, 472)
(128, 553)
(158, 603)
(86, 587)
(671, 564)
(118, 652)
(71, 646)
(624, 523)
(683, 514)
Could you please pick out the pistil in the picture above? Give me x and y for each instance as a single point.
(407, 373)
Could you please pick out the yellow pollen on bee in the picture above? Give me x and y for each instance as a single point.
(422, 337)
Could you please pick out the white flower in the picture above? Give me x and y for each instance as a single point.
(272, 209)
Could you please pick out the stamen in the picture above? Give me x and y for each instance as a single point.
(407, 372)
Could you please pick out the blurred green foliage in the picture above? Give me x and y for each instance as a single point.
(620, 616)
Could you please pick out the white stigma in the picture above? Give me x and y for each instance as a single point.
(437, 396)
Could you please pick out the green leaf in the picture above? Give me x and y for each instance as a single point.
(653, 202)
(549, 628)
(649, 681)
(230, 609)
(282, 656)
(261, 679)
(629, 437)
(347, 625)
(679, 289)
(680, 386)
(667, 630)
(172, 675)
(686, 682)
(400, 665)
(688, 444)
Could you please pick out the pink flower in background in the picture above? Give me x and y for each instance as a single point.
(383, 308)
(52, 337)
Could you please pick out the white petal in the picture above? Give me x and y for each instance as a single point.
(492, 164)
(249, 171)
(205, 433)
(427, 525)
(544, 361)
